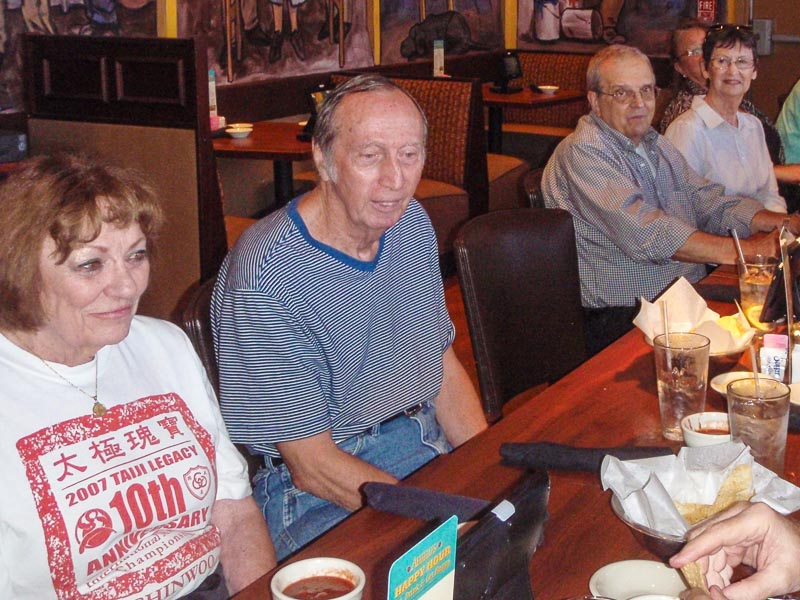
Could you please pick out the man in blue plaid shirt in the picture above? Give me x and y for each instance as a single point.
(642, 216)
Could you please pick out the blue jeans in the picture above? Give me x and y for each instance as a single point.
(399, 446)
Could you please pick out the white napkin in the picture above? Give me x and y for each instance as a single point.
(646, 488)
(689, 312)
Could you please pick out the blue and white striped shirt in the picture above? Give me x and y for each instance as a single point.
(309, 339)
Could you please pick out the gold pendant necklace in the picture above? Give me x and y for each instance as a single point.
(98, 408)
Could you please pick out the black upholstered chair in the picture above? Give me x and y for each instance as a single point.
(195, 320)
(518, 271)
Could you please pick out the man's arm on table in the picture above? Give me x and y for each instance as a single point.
(703, 247)
(319, 467)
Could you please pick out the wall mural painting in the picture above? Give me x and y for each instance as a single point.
(408, 27)
(135, 18)
(584, 24)
(261, 39)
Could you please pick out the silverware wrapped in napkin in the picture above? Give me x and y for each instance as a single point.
(549, 455)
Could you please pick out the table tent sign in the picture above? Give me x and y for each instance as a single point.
(427, 571)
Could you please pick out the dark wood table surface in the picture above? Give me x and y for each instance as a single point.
(270, 140)
(610, 400)
(525, 98)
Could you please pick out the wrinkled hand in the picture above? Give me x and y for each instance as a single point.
(765, 244)
(750, 534)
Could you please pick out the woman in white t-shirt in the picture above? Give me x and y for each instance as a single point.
(720, 141)
(119, 479)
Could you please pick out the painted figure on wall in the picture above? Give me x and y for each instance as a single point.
(409, 27)
(65, 17)
(646, 24)
(259, 39)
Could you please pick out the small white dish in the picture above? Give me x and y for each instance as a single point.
(720, 383)
(628, 579)
(238, 133)
(549, 89)
(696, 429)
(316, 567)
(241, 125)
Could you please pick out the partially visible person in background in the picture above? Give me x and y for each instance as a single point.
(720, 141)
(788, 124)
(750, 534)
(119, 479)
(687, 56)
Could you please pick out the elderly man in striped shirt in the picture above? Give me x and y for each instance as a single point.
(331, 331)
(642, 216)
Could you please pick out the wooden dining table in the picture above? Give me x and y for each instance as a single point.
(525, 98)
(610, 400)
(271, 140)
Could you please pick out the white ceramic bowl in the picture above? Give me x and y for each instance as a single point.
(631, 578)
(549, 89)
(692, 426)
(241, 125)
(315, 567)
(238, 132)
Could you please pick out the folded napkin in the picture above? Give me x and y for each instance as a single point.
(548, 455)
(418, 503)
(689, 312)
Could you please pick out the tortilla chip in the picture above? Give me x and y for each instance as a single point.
(737, 487)
(694, 576)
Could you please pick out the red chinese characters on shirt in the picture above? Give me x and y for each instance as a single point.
(125, 500)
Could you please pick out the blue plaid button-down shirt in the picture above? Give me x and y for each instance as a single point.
(630, 222)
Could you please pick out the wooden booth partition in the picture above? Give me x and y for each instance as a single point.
(142, 103)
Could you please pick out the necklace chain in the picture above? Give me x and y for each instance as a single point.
(98, 408)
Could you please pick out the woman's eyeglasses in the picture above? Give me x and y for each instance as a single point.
(723, 63)
(626, 95)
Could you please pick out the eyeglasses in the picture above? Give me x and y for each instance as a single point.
(723, 63)
(690, 53)
(723, 26)
(626, 95)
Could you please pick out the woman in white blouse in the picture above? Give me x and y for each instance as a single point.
(719, 141)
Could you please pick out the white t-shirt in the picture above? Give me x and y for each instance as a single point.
(117, 506)
(736, 157)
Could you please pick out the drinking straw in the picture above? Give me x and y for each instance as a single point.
(755, 371)
(740, 254)
(665, 318)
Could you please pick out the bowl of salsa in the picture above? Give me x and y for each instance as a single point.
(321, 578)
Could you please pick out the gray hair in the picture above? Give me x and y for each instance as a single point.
(610, 53)
(325, 128)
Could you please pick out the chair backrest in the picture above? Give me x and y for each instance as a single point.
(556, 68)
(195, 320)
(456, 151)
(518, 271)
(142, 103)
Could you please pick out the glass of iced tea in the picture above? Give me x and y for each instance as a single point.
(754, 279)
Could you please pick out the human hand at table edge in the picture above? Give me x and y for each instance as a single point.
(319, 467)
(752, 534)
(697, 594)
(766, 220)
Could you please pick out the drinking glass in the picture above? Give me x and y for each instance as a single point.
(682, 374)
(754, 280)
(760, 420)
